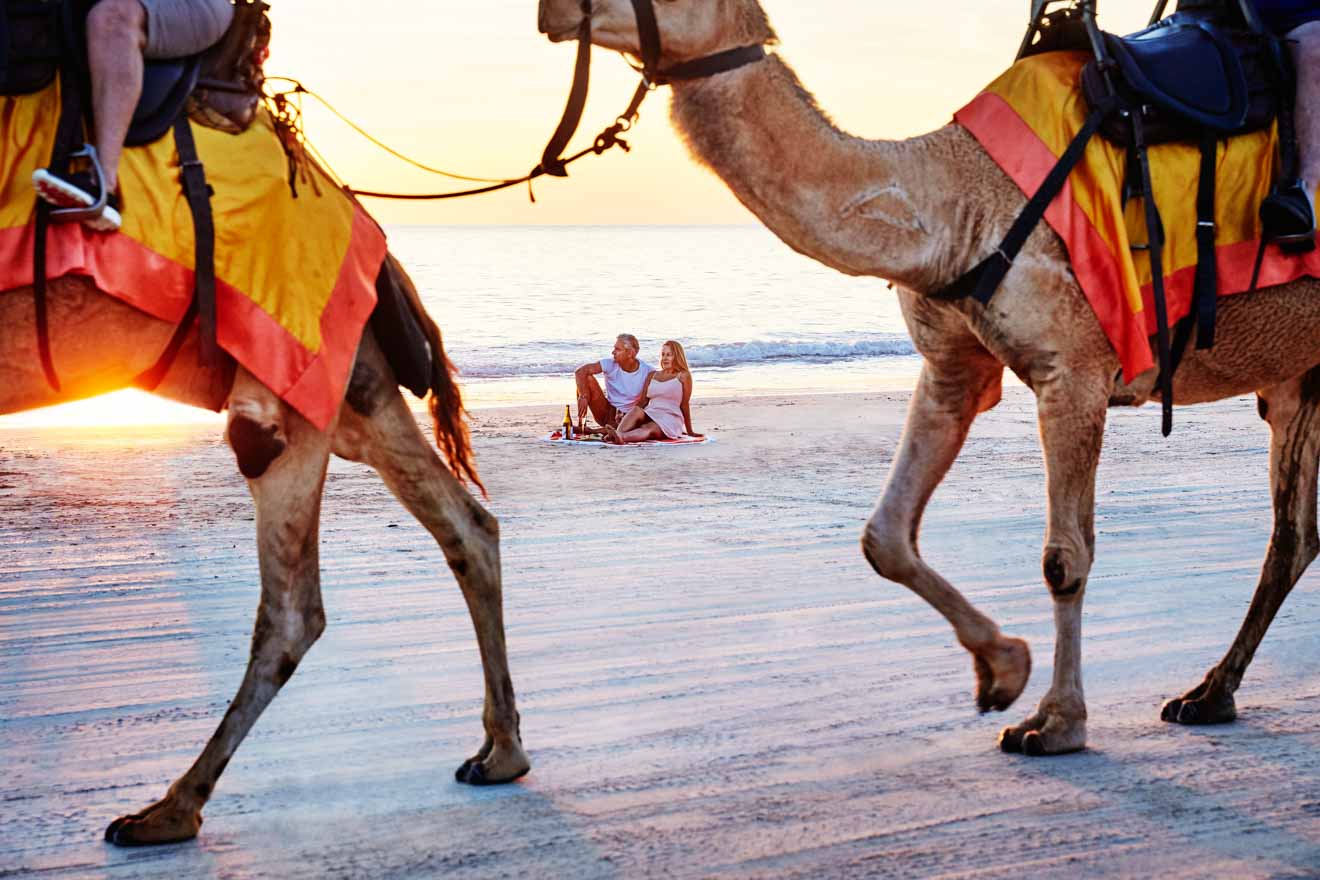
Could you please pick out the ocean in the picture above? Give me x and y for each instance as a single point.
(521, 307)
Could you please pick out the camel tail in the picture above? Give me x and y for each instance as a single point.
(445, 401)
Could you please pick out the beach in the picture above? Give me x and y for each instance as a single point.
(712, 681)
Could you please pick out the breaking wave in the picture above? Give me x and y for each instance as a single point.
(552, 358)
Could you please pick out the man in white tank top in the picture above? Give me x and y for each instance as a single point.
(625, 376)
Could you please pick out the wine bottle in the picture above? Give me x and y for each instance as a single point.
(567, 427)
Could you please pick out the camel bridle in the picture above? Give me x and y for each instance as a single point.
(553, 162)
(653, 76)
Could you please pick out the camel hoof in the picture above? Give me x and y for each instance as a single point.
(1002, 673)
(1199, 711)
(1010, 741)
(474, 771)
(1033, 744)
(152, 827)
(471, 772)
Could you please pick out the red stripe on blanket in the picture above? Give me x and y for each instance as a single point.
(1026, 159)
(311, 382)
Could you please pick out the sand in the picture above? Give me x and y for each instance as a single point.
(712, 680)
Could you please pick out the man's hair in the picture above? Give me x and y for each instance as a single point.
(630, 341)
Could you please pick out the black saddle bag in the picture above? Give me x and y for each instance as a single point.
(31, 36)
(1187, 74)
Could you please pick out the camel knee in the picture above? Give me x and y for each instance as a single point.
(474, 555)
(256, 430)
(889, 549)
(1065, 566)
(283, 637)
(256, 444)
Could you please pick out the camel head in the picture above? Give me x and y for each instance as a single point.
(689, 29)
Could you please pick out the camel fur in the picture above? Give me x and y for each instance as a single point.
(100, 344)
(919, 213)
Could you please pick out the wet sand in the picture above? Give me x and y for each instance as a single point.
(712, 680)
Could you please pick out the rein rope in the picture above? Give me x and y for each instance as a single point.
(553, 163)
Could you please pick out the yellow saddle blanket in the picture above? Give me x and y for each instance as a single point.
(1025, 120)
(295, 277)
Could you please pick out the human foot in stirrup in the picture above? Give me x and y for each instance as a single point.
(1288, 218)
(76, 191)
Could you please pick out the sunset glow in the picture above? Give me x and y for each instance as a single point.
(127, 408)
(477, 90)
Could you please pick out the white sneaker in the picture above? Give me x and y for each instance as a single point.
(70, 194)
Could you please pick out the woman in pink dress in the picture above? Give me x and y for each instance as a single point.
(662, 410)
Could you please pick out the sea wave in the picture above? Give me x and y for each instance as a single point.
(534, 361)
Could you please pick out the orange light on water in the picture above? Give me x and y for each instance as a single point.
(116, 409)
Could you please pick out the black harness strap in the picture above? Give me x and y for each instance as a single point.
(1205, 288)
(1155, 251)
(551, 161)
(66, 139)
(150, 379)
(192, 178)
(983, 279)
(648, 36)
(720, 62)
(39, 294)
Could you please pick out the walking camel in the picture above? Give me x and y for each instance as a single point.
(101, 344)
(919, 213)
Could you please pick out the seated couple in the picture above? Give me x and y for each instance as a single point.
(639, 402)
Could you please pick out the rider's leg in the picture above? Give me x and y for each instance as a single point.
(1288, 214)
(1304, 41)
(116, 38)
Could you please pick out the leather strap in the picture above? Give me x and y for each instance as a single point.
(1205, 293)
(39, 295)
(192, 177)
(66, 139)
(150, 379)
(720, 62)
(201, 308)
(648, 36)
(551, 161)
(1155, 251)
(983, 279)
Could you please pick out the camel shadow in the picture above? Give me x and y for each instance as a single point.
(1246, 792)
(471, 833)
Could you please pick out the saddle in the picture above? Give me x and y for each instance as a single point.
(43, 39)
(1207, 72)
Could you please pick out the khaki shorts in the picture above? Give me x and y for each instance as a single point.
(176, 28)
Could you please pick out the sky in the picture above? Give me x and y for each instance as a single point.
(474, 88)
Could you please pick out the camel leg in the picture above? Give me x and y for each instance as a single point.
(376, 427)
(1072, 424)
(1292, 410)
(286, 487)
(949, 394)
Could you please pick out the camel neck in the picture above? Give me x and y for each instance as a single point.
(863, 207)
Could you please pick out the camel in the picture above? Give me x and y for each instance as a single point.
(101, 344)
(918, 213)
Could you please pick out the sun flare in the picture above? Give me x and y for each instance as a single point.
(116, 409)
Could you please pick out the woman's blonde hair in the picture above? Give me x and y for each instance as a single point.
(680, 356)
